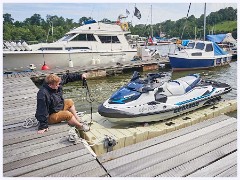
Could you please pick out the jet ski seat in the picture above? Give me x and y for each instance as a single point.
(175, 88)
(190, 81)
(183, 85)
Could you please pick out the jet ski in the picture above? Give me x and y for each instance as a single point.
(152, 99)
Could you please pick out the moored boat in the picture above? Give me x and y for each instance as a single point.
(226, 42)
(92, 43)
(199, 55)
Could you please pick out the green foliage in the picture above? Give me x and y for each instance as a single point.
(37, 29)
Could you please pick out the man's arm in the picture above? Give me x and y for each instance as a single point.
(71, 77)
(42, 112)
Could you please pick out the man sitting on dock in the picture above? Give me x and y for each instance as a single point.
(52, 108)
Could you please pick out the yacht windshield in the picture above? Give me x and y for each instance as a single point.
(67, 37)
(84, 37)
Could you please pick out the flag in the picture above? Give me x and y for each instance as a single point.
(137, 13)
(127, 12)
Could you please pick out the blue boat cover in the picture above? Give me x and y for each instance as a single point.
(217, 50)
(216, 38)
(90, 21)
(185, 42)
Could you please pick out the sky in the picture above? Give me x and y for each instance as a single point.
(162, 10)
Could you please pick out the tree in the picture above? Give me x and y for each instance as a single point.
(105, 20)
(34, 20)
(37, 29)
(83, 19)
(7, 18)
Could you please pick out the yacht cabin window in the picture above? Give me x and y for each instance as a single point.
(50, 48)
(84, 37)
(200, 46)
(72, 48)
(109, 39)
(209, 48)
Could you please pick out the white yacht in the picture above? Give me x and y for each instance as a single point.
(95, 43)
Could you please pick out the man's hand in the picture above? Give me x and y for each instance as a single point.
(42, 131)
(84, 76)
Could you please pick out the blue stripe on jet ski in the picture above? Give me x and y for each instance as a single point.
(119, 101)
(194, 99)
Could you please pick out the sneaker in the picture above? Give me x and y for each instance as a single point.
(72, 135)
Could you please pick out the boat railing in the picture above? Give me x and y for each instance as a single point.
(16, 46)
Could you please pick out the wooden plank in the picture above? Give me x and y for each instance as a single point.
(20, 97)
(33, 141)
(43, 168)
(217, 167)
(165, 145)
(189, 167)
(8, 140)
(136, 147)
(17, 119)
(97, 172)
(159, 167)
(140, 164)
(77, 169)
(63, 166)
(230, 172)
(30, 147)
(41, 157)
(9, 127)
(25, 103)
(50, 147)
(33, 136)
(22, 91)
(20, 110)
(24, 132)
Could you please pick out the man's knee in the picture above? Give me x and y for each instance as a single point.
(68, 103)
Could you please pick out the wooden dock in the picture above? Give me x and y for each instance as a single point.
(207, 148)
(26, 153)
(94, 70)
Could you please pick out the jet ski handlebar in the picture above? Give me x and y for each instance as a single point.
(150, 76)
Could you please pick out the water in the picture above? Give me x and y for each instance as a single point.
(102, 88)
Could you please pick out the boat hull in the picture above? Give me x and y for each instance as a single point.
(181, 64)
(20, 61)
(151, 117)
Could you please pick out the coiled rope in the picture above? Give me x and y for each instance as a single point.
(74, 137)
(30, 122)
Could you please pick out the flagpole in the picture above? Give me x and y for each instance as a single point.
(204, 22)
(151, 23)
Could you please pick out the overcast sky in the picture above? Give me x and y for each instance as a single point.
(75, 9)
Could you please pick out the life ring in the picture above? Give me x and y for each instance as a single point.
(124, 26)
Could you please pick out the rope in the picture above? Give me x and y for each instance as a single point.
(80, 114)
(30, 122)
(73, 137)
